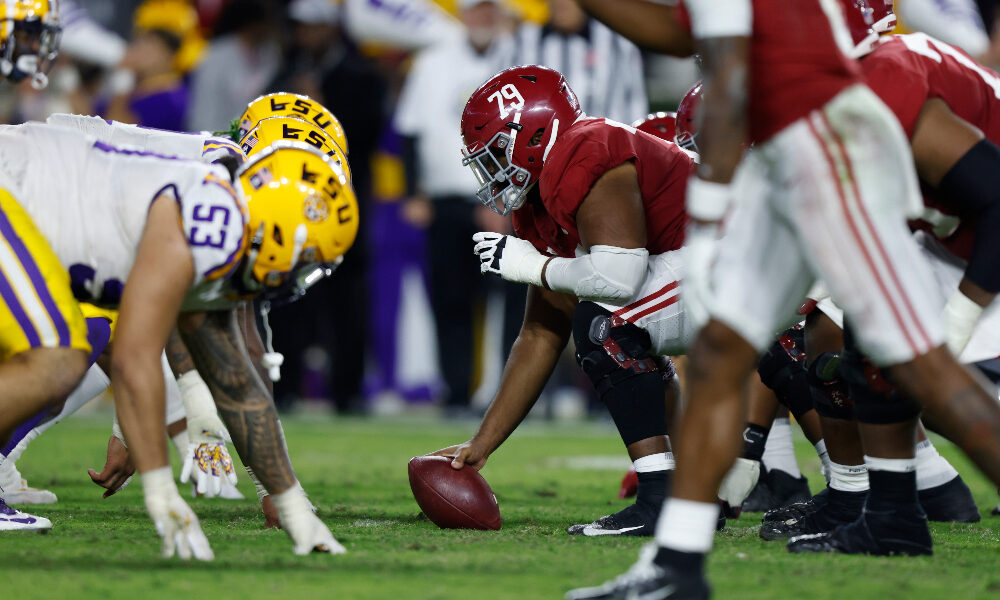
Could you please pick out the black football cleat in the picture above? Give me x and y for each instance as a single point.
(996, 511)
(635, 520)
(891, 533)
(776, 489)
(648, 581)
(949, 502)
(841, 508)
(799, 509)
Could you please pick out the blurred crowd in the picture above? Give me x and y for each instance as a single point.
(407, 319)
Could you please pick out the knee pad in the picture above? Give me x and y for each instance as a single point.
(782, 369)
(876, 400)
(830, 393)
(616, 357)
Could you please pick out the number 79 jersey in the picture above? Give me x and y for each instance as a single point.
(90, 199)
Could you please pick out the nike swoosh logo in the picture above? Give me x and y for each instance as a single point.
(595, 532)
(660, 594)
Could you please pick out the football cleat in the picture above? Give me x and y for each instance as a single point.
(894, 533)
(648, 581)
(14, 520)
(799, 509)
(15, 490)
(635, 520)
(841, 509)
(776, 489)
(949, 502)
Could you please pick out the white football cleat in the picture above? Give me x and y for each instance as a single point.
(14, 520)
(15, 490)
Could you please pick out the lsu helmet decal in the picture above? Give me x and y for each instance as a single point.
(284, 104)
(273, 129)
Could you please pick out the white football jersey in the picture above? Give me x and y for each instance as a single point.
(90, 199)
(197, 146)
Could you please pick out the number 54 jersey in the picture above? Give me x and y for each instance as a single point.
(90, 199)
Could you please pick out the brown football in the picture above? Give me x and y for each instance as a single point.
(453, 499)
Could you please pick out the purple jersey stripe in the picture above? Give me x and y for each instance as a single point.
(10, 298)
(36, 279)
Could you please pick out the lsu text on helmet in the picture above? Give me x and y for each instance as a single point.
(273, 129)
(284, 104)
(508, 127)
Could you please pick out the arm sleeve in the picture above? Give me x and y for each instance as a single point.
(608, 274)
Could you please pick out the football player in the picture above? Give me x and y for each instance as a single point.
(835, 183)
(29, 40)
(597, 211)
(185, 249)
(953, 133)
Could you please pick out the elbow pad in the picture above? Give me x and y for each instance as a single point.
(608, 274)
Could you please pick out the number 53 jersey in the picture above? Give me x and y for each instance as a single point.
(90, 199)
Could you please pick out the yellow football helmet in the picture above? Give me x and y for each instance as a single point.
(302, 210)
(272, 129)
(284, 104)
(24, 22)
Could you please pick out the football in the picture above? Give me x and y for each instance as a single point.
(453, 499)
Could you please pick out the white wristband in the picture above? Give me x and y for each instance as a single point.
(158, 481)
(720, 18)
(960, 316)
(197, 398)
(707, 200)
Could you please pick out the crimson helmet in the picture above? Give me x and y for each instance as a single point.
(687, 127)
(661, 124)
(508, 128)
(859, 21)
(883, 18)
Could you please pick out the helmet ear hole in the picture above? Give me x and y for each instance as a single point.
(537, 138)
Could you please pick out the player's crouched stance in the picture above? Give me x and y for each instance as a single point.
(171, 242)
(598, 213)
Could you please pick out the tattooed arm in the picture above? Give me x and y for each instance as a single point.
(255, 346)
(215, 342)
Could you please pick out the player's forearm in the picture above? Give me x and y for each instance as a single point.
(140, 405)
(649, 25)
(532, 359)
(724, 109)
(216, 346)
(178, 355)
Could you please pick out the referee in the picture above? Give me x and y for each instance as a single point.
(603, 68)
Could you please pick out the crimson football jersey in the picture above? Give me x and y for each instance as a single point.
(906, 71)
(580, 156)
(796, 65)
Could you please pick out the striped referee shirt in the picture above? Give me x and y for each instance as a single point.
(602, 67)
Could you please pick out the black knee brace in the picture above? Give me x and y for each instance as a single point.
(829, 392)
(876, 400)
(616, 357)
(782, 369)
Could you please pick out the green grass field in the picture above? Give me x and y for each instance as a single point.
(355, 472)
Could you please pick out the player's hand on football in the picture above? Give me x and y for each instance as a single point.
(470, 454)
(207, 461)
(174, 520)
(509, 257)
(118, 468)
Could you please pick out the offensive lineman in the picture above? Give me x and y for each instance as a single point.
(837, 182)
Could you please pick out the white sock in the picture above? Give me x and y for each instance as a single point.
(932, 468)
(824, 458)
(892, 465)
(661, 461)
(779, 452)
(849, 478)
(687, 526)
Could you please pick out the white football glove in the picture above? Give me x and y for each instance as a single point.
(308, 533)
(739, 481)
(207, 459)
(509, 257)
(699, 252)
(174, 520)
